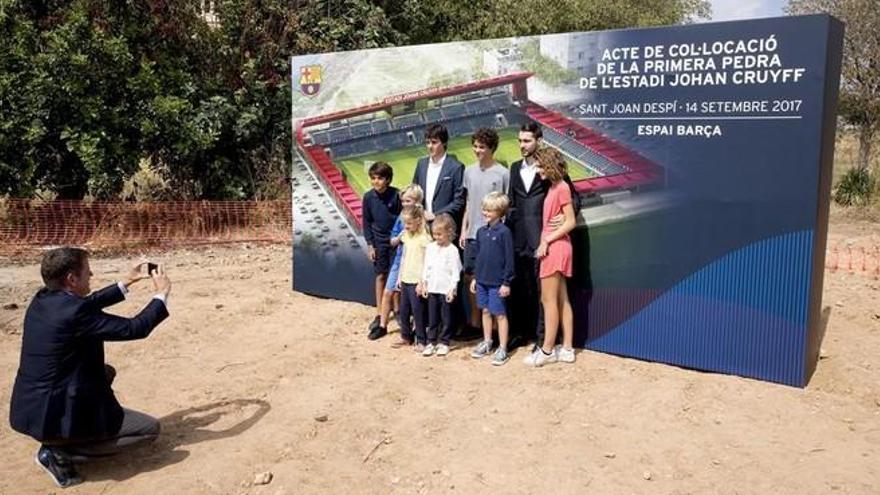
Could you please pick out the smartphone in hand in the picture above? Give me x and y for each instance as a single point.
(152, 267)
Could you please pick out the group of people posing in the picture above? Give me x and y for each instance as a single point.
(513, 247)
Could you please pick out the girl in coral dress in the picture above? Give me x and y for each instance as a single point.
(555, 253)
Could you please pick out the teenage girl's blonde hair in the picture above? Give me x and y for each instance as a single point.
(413, 190)
(444, 223)
(496, 201)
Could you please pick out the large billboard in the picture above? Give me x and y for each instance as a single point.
(702, 154)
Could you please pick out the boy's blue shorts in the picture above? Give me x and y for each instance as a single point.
(488, 298)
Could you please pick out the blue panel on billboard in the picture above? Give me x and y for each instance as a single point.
(702, 155)
(752, 301)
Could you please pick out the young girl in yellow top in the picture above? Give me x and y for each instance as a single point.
(415, 239)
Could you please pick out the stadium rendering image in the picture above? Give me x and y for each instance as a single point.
(338, 147)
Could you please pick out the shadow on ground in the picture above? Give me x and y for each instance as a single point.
(187, 427)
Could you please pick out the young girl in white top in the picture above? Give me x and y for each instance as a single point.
(439, 281)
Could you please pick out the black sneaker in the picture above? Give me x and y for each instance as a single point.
(58, 466)
(374, 324)
(377, 333)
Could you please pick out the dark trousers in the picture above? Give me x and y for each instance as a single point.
(525, 312)
(412, 304)
(137, 429)
(439, 319)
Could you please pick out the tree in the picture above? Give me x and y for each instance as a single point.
(860, 74)
(91, 88)
(80, 82)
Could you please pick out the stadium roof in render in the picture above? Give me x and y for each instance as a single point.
(517, 78)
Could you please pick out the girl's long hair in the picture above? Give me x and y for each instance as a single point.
(553, 163)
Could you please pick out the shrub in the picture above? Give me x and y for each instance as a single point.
(855, 187)
(147, 184)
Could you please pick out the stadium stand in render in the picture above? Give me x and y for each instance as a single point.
(498, 102)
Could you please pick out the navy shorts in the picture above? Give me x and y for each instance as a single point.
(384, 255)
(470, 256)
(488, 298)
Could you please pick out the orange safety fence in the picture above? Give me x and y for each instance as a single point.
(26, 224)
(854, 258)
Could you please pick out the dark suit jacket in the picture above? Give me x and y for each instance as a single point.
(525, 216)
(449, 195)
(61, 391)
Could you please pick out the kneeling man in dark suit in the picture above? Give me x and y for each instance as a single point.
(62, 395)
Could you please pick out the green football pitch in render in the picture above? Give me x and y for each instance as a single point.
(403, 160)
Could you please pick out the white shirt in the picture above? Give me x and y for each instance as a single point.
(527, 173)
(160, 296)
(442, 268)
(433, 176)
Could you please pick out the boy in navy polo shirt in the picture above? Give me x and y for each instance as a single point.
(381, 205)
(493, 273)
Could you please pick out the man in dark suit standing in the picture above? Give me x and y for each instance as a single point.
(62, 395)
(525, 218)
(440, 177)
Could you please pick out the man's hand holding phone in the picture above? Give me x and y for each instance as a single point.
(161, 282)
(137, 272)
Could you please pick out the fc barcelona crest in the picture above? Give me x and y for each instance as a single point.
(310, 79)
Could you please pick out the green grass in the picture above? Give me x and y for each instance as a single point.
(403, 160)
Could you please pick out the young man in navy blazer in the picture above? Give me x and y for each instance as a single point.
(440, 176)
(62, 395)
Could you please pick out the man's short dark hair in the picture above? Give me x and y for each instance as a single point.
(382, 170)
(534, 128)
(487, 136)
(58, 262)
(437, 131)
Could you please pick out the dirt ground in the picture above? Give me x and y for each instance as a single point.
(250, 378)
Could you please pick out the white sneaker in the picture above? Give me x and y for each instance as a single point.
(564, 355)
(429, 350)
(538, 358)
(442, 350)
(529, 359)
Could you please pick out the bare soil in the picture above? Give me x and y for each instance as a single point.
(249, 377)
